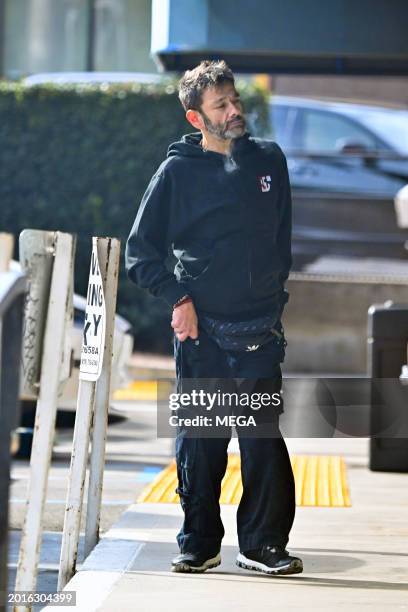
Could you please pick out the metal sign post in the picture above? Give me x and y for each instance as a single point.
(46, 412)
(109, 258)
(95, 355)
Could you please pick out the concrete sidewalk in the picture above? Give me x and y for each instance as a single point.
(354, 558)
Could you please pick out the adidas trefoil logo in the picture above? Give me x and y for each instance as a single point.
(252, 347)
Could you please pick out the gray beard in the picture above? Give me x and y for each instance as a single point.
(221, 131)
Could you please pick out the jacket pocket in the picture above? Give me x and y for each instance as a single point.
(193, 261)
(223, 284)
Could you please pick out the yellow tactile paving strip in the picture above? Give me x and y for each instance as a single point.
(141, 390)
(321, 480)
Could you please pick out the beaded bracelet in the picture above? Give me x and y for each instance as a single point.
(183, 300)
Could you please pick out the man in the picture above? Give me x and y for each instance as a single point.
(221, 204)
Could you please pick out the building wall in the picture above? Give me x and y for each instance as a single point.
(50, 35)
(386, 89)
(44, 36)
(123, 35)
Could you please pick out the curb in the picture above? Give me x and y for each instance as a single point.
(115, 552)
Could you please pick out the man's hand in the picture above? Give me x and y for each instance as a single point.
(184, 321)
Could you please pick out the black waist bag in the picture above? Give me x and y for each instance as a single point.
(244, 335)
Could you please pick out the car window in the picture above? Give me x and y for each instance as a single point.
(279, 122)
(390, 125)
(282, 123)
(324, 131)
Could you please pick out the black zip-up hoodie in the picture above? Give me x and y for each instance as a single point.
(227, 220)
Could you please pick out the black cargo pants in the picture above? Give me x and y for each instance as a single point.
(267, 508)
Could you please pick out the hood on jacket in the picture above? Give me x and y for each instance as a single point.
(190, 146)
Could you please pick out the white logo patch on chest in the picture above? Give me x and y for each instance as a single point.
(265, 182)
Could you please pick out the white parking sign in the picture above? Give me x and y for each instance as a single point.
(93, 340)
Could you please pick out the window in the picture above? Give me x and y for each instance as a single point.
(282, 122)
(122, 36)
(44, 36)
(324, 131)
(54, 36)
(391, 126)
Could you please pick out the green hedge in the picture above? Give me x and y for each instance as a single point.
(78, 159)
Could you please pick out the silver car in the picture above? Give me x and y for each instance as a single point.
(122, 351)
